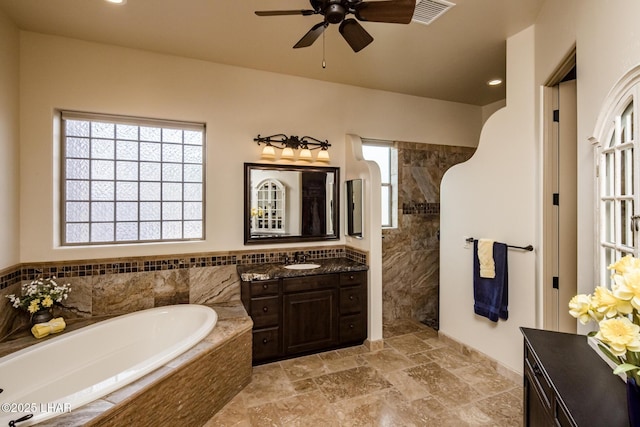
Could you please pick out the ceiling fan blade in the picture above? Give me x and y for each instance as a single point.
(311, 36)
(391, 11)
(355, 35)
(305, 12)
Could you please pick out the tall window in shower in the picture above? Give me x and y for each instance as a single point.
(386, 156)
(130, 180)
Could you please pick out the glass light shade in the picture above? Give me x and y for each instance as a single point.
(305, 154)
(323, 156)
(287, 153)
(268, 152)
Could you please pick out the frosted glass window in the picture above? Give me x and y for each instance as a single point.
(171, 172)
(102, 149)
(150, 171)
(78, 147)
(131, 180)
(192, 154)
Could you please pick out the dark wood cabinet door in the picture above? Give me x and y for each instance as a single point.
(310, 321)
(535, 414)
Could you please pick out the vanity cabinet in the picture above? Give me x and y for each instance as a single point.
(567, 384)
(300, 315)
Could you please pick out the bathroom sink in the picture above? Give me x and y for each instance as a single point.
(301, 266)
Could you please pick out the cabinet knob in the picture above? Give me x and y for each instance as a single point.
(351, 326)
(351, 297)
(264, 341)
(351, 277)
(265, 309)
(265, 286)
(536, 369)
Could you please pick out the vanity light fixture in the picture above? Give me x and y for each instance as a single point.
(116, 1)
(289, 146)
(494, 82)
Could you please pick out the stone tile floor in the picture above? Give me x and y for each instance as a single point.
(416, 380)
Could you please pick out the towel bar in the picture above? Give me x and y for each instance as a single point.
(524, 248)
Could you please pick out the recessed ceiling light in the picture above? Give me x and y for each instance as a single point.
(495, 82)
(116, 1)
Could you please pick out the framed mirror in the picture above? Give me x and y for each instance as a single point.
(290, 203)
(354, 208)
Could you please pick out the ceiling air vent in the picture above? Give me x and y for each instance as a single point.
(428, 11)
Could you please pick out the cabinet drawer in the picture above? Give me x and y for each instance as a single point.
(351, 299)
(264, 311)
(309, 283)
(353, 278)
(561, 417)
(540, 382)
(264, 287)
(352, 328)
(266, 343)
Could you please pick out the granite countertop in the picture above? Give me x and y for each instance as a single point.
(268, 271)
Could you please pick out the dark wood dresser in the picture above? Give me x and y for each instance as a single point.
(567, 384)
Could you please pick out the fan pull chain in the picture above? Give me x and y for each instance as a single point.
(324, 63)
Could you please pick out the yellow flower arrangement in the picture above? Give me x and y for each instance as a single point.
(40, 294)
(617, 311)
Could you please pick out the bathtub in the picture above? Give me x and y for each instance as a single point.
(75, 368)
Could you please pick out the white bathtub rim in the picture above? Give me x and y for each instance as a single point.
(109, 385)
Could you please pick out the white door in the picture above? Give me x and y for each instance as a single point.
(560, 282)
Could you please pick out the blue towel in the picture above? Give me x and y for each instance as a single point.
(491, 295)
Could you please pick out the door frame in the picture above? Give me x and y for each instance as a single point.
(547, 295)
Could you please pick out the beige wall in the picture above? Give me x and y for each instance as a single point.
(493, 195)
(607, 43)
(236, 104)
(9, 143)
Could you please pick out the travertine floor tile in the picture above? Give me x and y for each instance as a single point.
(387, 360)
(416, 380)
(352, 382)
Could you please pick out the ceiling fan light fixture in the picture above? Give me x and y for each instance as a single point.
(335, 13)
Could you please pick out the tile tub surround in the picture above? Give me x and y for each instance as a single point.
(186, 391)
(416, 380)
(123, 285)
(411, 252)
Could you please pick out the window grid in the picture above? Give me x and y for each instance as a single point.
(111, 201)
(618, 190)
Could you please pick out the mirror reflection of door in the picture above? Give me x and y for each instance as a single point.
(314, 199)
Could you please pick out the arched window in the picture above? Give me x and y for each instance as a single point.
(618, 176)
(268, 216)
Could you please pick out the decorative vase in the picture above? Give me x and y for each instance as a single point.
(41, 316)
(633, 402)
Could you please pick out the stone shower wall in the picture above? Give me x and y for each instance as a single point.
(411, 252)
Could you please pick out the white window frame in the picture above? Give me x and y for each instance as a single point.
(180, 217)
(618, 229)
(391, 181)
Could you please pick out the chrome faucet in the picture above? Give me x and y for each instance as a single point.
(300, 257)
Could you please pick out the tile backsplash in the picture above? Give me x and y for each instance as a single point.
(123, 285)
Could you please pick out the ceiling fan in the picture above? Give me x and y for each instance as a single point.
(336, 11)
